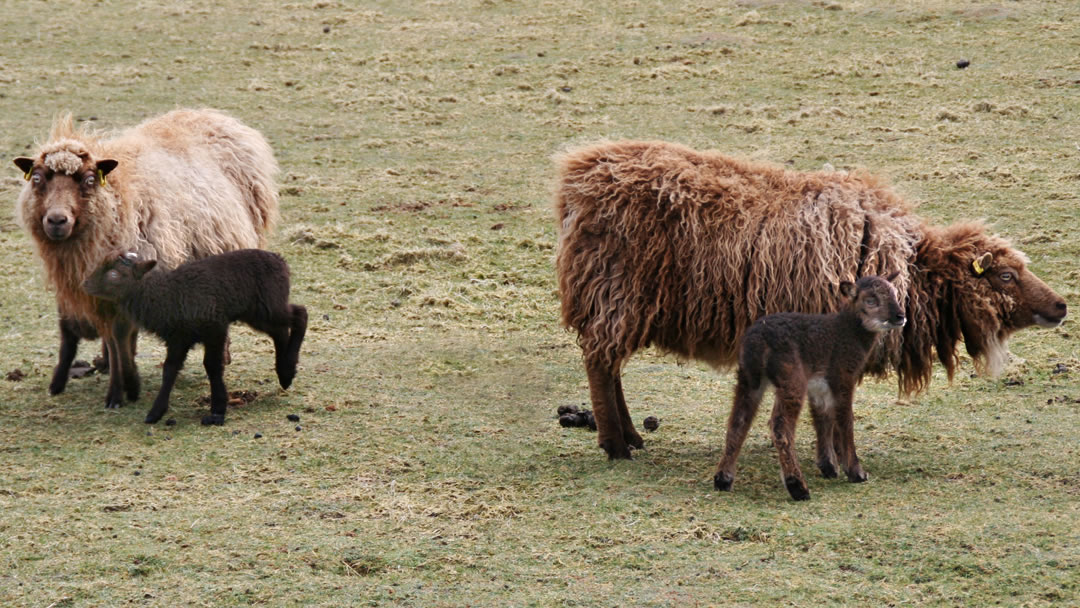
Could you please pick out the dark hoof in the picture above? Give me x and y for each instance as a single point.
(635, 441)
(213, 419)
(722, 482)
(857, 476)
(57, 386)
(112, 404)
(285, 379)
(828, 471)
(797, 488)
(616, 451)
(152, 417)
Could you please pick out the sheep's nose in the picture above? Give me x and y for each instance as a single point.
(1062, 308)
(899, 320)
(56, 219)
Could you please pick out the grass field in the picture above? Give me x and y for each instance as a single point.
(429, 470)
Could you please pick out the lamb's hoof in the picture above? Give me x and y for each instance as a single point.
(634, 440)
(857, 475)
(797, 488)
(152, 417)
(828, 471)
(57, 386)
(285, 380)
(112, 404)
(616, 451)
(213, 419)
(723, 481)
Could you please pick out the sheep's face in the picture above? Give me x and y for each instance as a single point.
(115, 279)
(60, 181)
(1021, 298)
(875, 303)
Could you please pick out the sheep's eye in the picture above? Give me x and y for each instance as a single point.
(871, 301)
(1006, 276)
(112, 275)
(36, 179)
(88, 181)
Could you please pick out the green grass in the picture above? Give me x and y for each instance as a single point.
(415, 142)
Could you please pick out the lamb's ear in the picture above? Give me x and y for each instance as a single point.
(892, 277)
(847, 288)
(142, 268)
(982, 263)
(26, 165)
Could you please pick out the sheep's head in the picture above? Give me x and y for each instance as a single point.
(875, 303)
(60, 181)
(117, 276)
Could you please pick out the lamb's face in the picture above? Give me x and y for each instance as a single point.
(876, 304)
(60, 181)
(117, 277)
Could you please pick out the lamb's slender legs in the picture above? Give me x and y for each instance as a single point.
(822, 411)
(785, 415)
(630, 434)
(132, 382)
(747, 400)
(214, 364)
(602, 383)
(175, 355)
(70, 334)
(845, 437)
(288, 357)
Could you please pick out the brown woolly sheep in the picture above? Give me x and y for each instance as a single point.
(820, 355)
(181, 186)
(663, 245)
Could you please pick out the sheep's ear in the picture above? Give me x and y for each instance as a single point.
(847, 288)
(142, 268)
(107, 165)
(982, 263)
(892, 277)
(26, 165)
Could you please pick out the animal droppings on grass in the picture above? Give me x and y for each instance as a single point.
(81, 369)
(293, 418)
(258, 435)
(15, 375)
(170, 422)
(963, 63)
(651, 423)
(299, 428)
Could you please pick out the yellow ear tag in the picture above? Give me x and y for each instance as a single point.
(27, 176)
(101, 178)
(978, 269)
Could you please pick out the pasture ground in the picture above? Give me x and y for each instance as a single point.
(429, 470)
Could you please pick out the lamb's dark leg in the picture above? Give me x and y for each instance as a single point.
(602, 382)
(176, 353)
(288, 357)
(69, 345)
(114, 397)
(132, 382)
(214, 364)
(822, 410)
(630, 434)
(785, 414)
(845, 427)
(748, 393)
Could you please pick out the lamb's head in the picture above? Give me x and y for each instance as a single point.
(874, 302)
(115, 279)
(61, 179)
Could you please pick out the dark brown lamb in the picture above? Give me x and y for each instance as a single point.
(196, 303)
(661, 245)
(817, 355)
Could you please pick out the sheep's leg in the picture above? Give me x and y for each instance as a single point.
(126, 335)
(630, 434)
(743, 410)
(785, 415)
(822, 410)
(114, 397)
(845, 429)
(214, 364)
(176, 353)
(602, 382)
(289, 356)
(69, 346)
